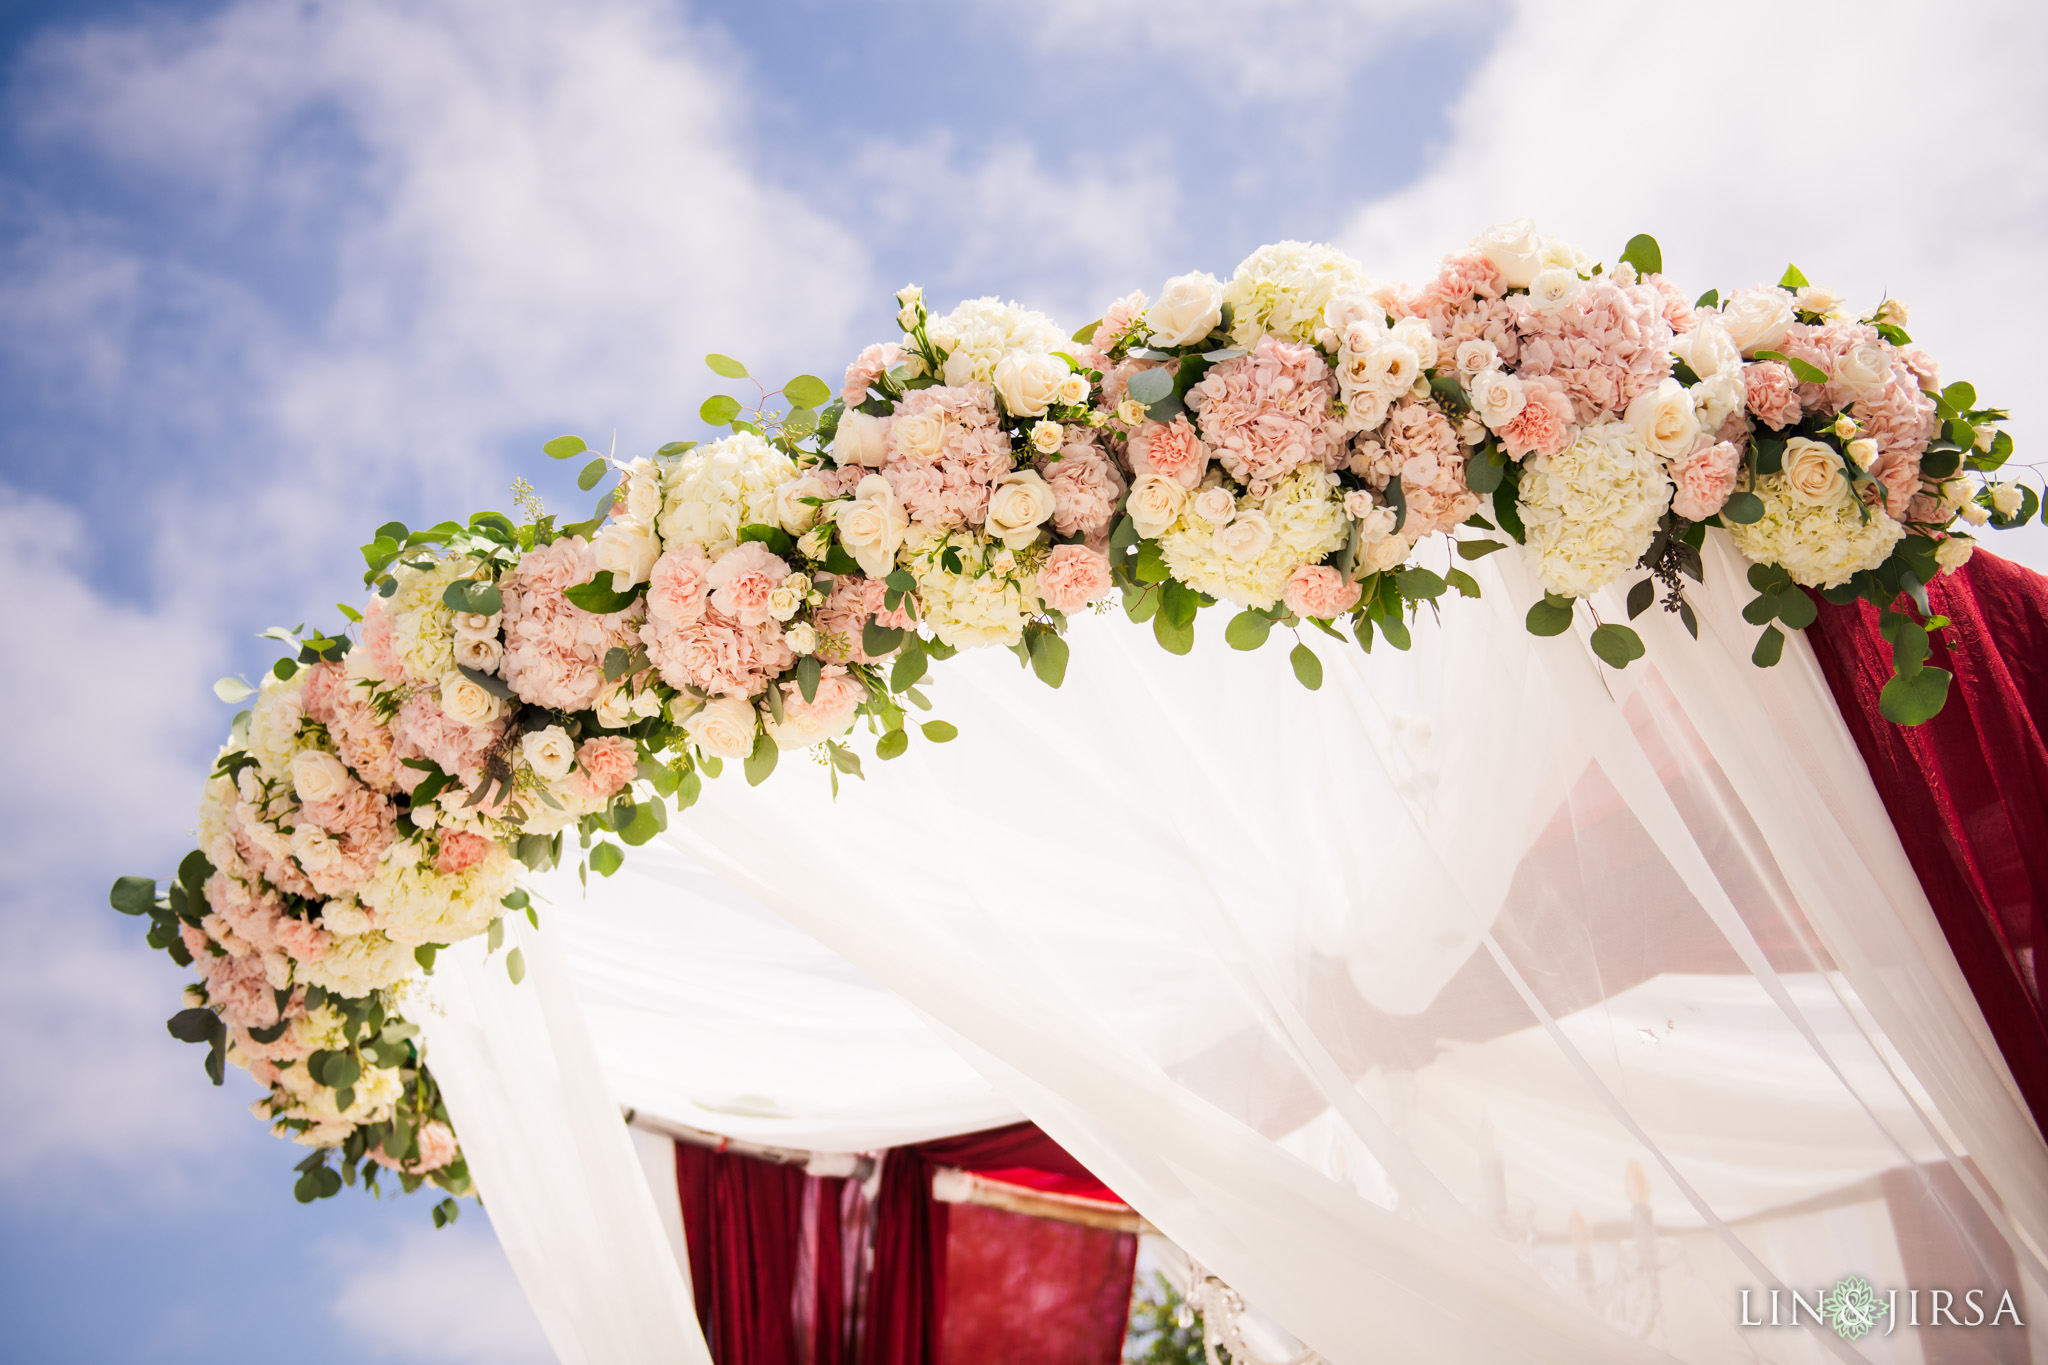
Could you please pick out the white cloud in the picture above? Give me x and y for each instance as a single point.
(1893, 148)
(437, 1296)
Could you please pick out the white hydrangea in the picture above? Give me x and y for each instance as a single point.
(1282, 289)
(1304, 514)
(710, 492)
(274, 724)
(423, 626)
(376, 1091)
(216, 799)
(981, 332)
(985, 604)
(414, 904)
(1591, 509)
(1821, 547)
(357, 964)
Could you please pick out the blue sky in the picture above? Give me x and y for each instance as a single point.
(273, 273)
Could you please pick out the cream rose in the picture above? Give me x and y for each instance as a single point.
(783, 603)
(1073, 389)
(860, 440)
(1813, 473)
(1189, 308)
(1952, 552)
(871, 526)
(1666, 419)
(1029, 384)
(1155, 503)
(318, 776)
(724, 728)
(615, 707)
(1046, 437)
(1017, 506)
(480, 652)
(2006, 500)
(1244, 537)
(628, 550)
(1817, 298)
(1214, 505)
(643, 490)
(1514, 250)
(919, 435)
(1863, 370)
(467, 703)
(550, 752)
(1708, 350)
(795, 515)
(802, 638)
(1130, 412)
(1555, 289)
(1477, 356)
(1414, 333)
(1863, 451)
(1757, 319)
(1379, 555)
(1498, 397)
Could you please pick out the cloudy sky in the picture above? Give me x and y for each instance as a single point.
(275, 271)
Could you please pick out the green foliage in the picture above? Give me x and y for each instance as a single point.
(719, 409)
(1644, 254)
(1049, 658)
(1308, 669)
(562, 447)
(807, 391)
(1805, 370)
(725, 366)
(1618, 646)
(1551, 616)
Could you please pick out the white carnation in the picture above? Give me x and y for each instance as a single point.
(1820, 546)
(1591, 509)
(1282, 289)
(715, 489)
(1305, 514)
(983, 331)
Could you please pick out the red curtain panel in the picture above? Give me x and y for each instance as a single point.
(1968, 790)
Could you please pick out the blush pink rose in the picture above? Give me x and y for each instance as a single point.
(1073, 576)
(1320, 591)
(742, 579)
(1771, 393)
(1171, 450)
(460, 851)
(1705, 477)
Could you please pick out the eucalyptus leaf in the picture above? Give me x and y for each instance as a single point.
(761, 761)
(892, 745)
(515, 966)
(1049, 659)
(719, 409)
(606, 859)
(1914, 698)
(1743, 508)
(562, 447)
(1644, 254)
(592, 472)
(1248, 629)
(1770, 647)
(133, 895)
(1307, 667)
(725, 366)
(1551, 616)
(807, 391)
(1617, 645)
(232, 690)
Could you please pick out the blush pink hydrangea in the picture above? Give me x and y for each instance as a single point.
(1266, 414)
(945, 454)
(1320, 591)
(717, 653)
(1608, 347)
(554, 650)
(846, 610)
(1085, 487)
(742, 579)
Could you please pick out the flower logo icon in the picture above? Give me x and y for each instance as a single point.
(1852, 1307)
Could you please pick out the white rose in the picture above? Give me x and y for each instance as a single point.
(1046, 437)
(480, 652)
(783, 603)
(1718, 398)
(614, 707)
(1214, 505)
(550, 752)
(724, 728)
(643, 490)
(1813, 473)
(1893, 312)
(1514, 250)
(1554, 253)
(1976, 513)
(1864, 452)
(1244, 537)
(1498, 397)
(1130, 412)
(1391, 368)
(871, 526)
(1073, 390)
(318, 776)
(628, 549)
(1029, 383)
(802, 638)
(1380, 554)
(2005, 500)
(1477, 356)
(1864, 369)
(1666, 419)
(1414, 333)
(1018, 506)
(1189, 308)
(475, 623)
(795, 515)
(1814, 298)
(314, 848)
(467, 703)
(1952, 552)
(919, 435)
(1155, 504)
(1352, 309)
(860, 440)
(1555, 289)
(1707, 349)
(1757, 319)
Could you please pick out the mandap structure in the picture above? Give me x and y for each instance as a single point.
(1608, 936)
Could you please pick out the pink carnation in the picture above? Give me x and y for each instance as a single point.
(1677, 311)
(423, 730)
(742, 579)
(1320, 591)
(326, 684)
(717, 654)
(195, 939)
(867, 370)
(365, 741)
(1607, 348)
(1118, 319)
(1705, 477)
(460, 851)
(830, 709)
(847, 607)
(378, 644)
(240, 988)
(1266, 414)
(1923, 366)
(554, 650)
(1072, 577)
(1544, 425)
(1771, 393)
(603, 767)
(435, 1147)
(1085, 488)
(1172, 450)
(1899, 477)
(362, 825)
(677, 586)
(302, 941)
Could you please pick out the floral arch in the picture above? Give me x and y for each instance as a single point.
(1310, 450)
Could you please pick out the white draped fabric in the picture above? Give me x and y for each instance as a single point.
(1487, 1004)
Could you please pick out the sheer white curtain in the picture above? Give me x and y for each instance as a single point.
(1487, 1004)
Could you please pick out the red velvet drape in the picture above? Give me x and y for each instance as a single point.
(908, 1300)
(1968, 790)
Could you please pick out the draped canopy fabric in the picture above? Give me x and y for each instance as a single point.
(1485, 1005)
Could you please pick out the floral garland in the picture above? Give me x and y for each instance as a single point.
(1285, 441)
